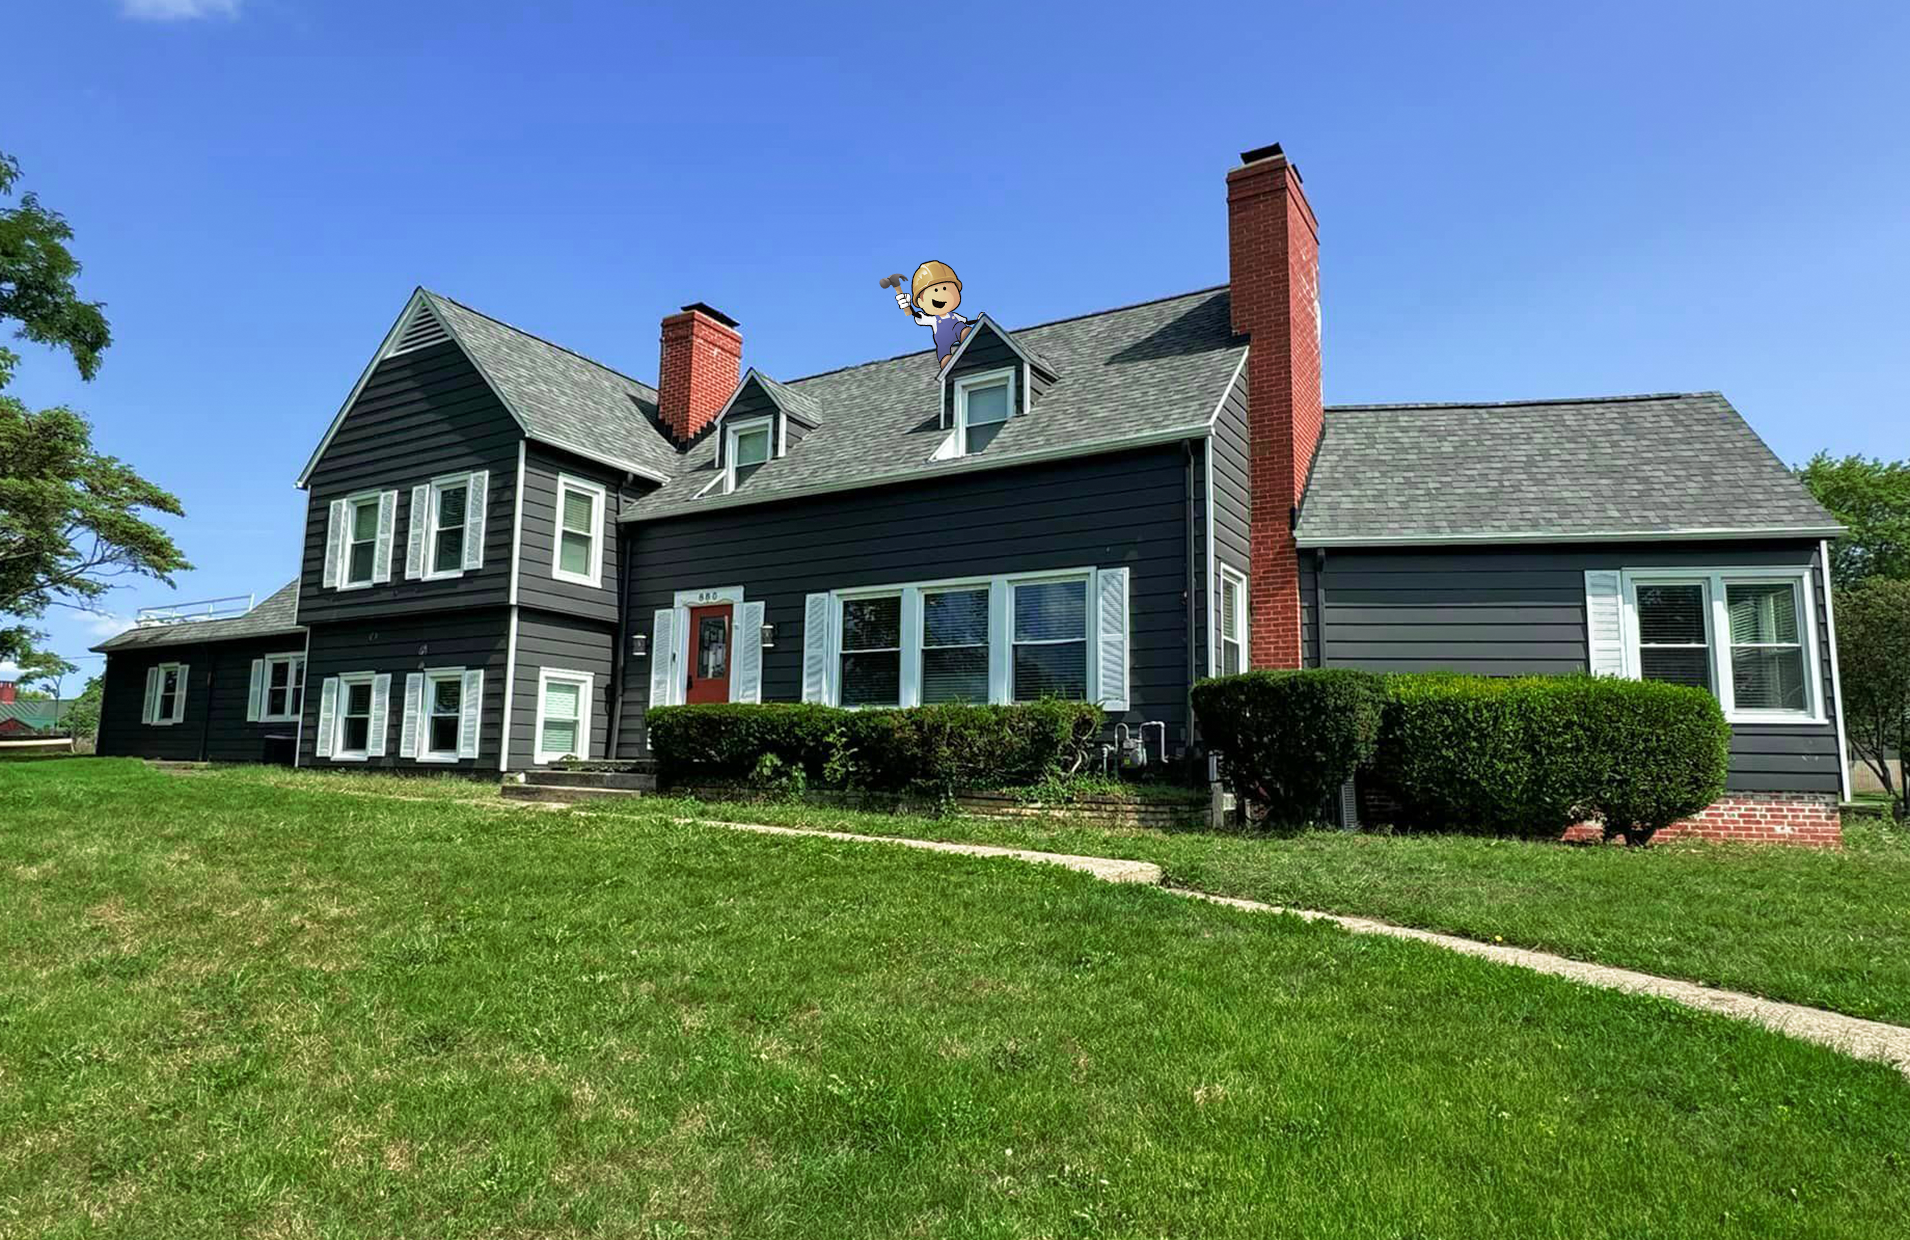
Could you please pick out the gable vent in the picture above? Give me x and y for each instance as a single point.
(421, 330)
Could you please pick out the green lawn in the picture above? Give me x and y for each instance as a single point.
(230, 1006)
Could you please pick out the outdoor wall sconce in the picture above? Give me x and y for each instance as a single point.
(639, 645)
(769, 636)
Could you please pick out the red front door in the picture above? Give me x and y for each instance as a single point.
(709, 654)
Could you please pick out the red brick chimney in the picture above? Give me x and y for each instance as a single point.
(702, 360)
(8, 690)
(1273, 248)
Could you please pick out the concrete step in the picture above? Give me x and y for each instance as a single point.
(627, 781)
(562, 795)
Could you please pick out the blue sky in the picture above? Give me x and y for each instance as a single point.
(1515, 200)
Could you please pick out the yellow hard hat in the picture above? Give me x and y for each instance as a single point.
(931, 273)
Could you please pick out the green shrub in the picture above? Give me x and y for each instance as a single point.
(1534, 755)
(1287, 740)
(934, 749)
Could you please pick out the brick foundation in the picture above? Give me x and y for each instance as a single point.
(1806, 819)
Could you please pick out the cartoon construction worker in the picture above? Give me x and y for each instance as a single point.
(933, 295)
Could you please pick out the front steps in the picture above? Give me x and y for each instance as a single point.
(569, 787)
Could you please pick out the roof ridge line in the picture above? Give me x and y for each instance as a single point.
(650, 387)
(1547, 400)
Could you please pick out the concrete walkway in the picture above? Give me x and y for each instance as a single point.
(1860, 1039)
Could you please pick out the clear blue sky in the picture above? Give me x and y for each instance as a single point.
(1515, 200)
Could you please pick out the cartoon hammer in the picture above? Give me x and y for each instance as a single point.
(895, 281)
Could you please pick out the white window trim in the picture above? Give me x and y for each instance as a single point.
(345, 681)
(1241, 613)
(431, 676)
(987, 378)
(294, 676)
(1718, 632)
(545, 675)
(736, 430)
(431, 528)
(1001, 643)
(178, 698)
(598, 506)
(374, 498)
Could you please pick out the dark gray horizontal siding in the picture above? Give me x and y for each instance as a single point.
(219, 686)
(401, 645)
(536, 587)
(1107, 511)
(566, 643)
(1231, 498)
(421, 415)
(1521, 611)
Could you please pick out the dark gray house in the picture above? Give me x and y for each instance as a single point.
(512, 551)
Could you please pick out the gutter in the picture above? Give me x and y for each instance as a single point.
(1813, 532)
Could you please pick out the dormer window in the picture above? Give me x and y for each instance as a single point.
(748, 448)
(982, 405)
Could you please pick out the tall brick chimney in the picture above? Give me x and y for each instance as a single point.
(1273, 248)
(8, 691)
(702, 360)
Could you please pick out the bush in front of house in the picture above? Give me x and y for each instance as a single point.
(1534, 755)
(939, 749)
(1287, 740)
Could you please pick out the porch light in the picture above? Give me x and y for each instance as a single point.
(639, 645)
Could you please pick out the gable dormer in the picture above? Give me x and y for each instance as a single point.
(991, 379)
(762, 420)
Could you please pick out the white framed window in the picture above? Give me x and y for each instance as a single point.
(361, 540)
(1050, 639)
(870, 650)
(165, 702)
(444, 531)
(955, 644)
(282, 688)
(353, 742)
(578, 554)
(441, 714)
(983, 404)
(747, 446)
(1748, 635)
(563, 714)
(1233, 622)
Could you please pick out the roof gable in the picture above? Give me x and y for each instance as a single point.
(986, 331)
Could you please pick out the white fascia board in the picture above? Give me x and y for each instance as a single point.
(629, 467)
(1614, 536)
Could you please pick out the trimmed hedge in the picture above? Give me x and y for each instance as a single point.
(1287, 740)
(937, 749)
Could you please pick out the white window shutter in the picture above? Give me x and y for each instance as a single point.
(746, 679)
(1001, 649)
(327, 716)
(474, 518)
(179, 698)
(662, 657)
(335, 544)
(470, 706)
(414, 535)
(414, 706)
(1605, 622)
(255, 692)
(1111, 639)
(387, 526)
(815, 648)
(380, 713)
(149, 712)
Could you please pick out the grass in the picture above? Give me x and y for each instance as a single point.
(237, 1006)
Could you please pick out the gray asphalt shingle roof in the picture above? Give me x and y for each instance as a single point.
(1143, 372)
(1622, 465)
(563, 398)
(277, 614)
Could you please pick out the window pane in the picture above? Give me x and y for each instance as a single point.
(955, 674)
(988, 404)
(298, 699)
(560, 700)
(1051, 671)
(279, 670)
(1051, 610)
(752, 447)
(357, 732)
(573, 553)
(451, 507)
(560, 736)
(579, 511)
(979, 437)
(449, 554)
(871, 623)
(1229, 658)
(170, 682)
(364, 521)
(445, 696)
(1679, 666)
(444, 734)
(1763, 613)
(712, 647)
(955, 618)
(872, 679)
(1769, 679)
(275, 702)
(1671, 615)
(1229, 603)
(358, 699)
(360, 569)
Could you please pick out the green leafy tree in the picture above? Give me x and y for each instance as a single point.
(72, 520)
(1872, 498)
(1873, 639)
(82, 714)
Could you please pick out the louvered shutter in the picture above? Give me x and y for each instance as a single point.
(1605, 622)
(746, 682)
(149, 711)
(387, 526)
(815, 648)
(255, 692)
(662, 657)
(470, 704)
(414, 707)
(327, 717)
(474, 518)
(414, 535)
(380, 713)
(179, 698)
(335, 545)
(1111, 639)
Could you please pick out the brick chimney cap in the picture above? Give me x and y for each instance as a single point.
(699, 307)
(1270, 151)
